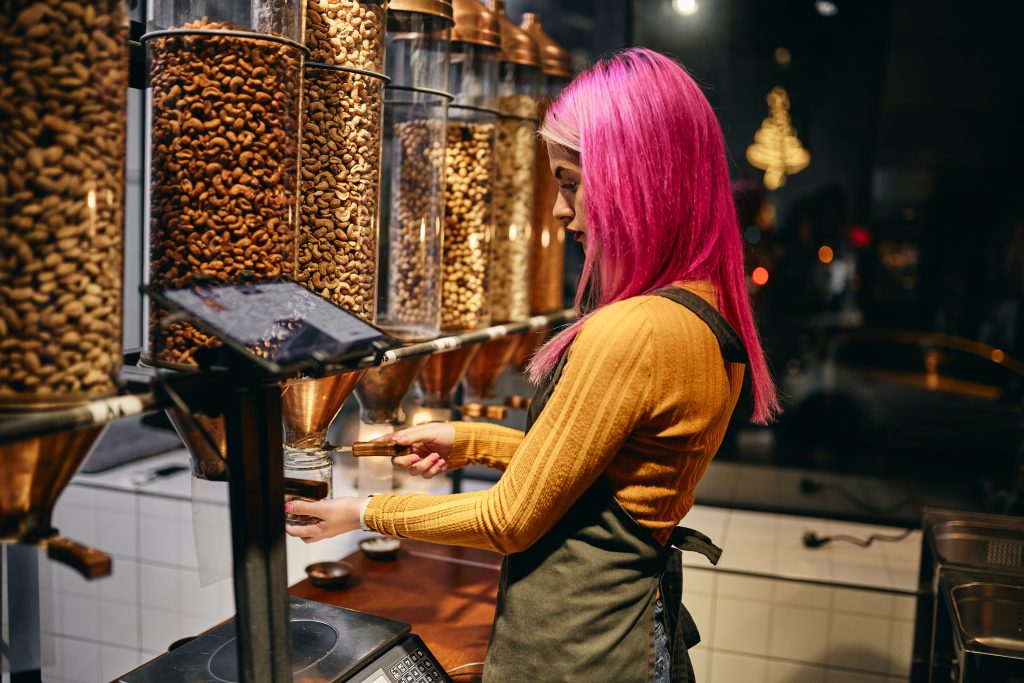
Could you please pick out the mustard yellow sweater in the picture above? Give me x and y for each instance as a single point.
(644, 400)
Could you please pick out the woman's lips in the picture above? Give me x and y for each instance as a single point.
(576, 234)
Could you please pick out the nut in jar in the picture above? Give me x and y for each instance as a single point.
(465, 296)
(340, 164)
(63, 89)
(224, 161)
(346, 33)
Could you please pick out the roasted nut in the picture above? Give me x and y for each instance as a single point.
(346, 33)
(340, 161)
(63, 89)
(223, 194)
(515, 148)
(465, 295)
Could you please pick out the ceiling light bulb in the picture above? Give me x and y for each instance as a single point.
(826, 8)
(686, 7)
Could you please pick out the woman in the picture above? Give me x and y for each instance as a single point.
(633, 399)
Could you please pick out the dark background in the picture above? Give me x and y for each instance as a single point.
(911, 112)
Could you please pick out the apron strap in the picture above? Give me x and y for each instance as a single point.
(682, 630)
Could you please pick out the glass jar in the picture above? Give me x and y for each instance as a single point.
(225, 83)
(412, 188)
(347, 33)
(310, 465)
(64, 69)
(547, 255)
(518, 90)
(340, 186)
(469, 168)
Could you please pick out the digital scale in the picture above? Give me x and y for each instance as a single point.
(329, 645)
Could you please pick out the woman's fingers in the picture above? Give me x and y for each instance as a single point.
(424, 465)
(308, 508)
(438, 468)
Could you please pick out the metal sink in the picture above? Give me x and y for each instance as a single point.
(990, 615)
(977, 544)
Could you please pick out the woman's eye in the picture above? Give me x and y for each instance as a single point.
(571, 187)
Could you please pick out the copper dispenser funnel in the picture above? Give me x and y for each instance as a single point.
(382, 389)
(206, 441)
(309, 405)
(442, 375)
(33, 474)
(489, 365)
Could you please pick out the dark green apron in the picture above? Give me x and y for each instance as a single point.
(578, 605)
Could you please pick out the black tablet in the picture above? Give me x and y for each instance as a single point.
(281, 326)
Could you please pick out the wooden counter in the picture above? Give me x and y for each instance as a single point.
(446, 593)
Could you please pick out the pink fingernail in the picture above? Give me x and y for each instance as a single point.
(287, 507)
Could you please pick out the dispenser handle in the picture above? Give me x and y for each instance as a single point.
(517, 402)
(89, 562)
(362, 449)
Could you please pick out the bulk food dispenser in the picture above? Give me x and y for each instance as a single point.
(518, 91)
(64, 76)
(339, 189)
(547, 254)
(415, 120)
(469, 208)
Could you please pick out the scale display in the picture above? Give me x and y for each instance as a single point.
(279, 325)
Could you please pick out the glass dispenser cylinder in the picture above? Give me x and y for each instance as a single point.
(64, 79)
(412, 189)
(469, 168)
(340, 153)
(547, 270)
(518, 91)
(223, 112)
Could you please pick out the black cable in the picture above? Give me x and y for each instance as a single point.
(813, 540)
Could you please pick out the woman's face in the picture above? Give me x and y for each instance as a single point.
(569, 207)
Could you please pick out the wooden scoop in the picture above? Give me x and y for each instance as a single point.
(361, 449)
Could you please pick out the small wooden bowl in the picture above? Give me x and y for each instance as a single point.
(329, 575)
(380, 548)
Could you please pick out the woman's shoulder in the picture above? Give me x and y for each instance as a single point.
(652, 312)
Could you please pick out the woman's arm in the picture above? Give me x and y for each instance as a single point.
(604, 393)
(483, 443)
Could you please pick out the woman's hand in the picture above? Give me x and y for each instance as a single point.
(431, 445)
(335, 516)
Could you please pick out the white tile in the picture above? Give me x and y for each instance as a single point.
(163, 508)
(119, 624)
(840, 676)
(80, 616)
(118, 533)
(752, 555)
(159, 540)
(698, 581)
(861, 574)
(901, 649)
(123, 583)
(159, 587)
(860, 643)
(699, 658)
(709, 521)
(730, 668)
(70, 581)
(197, 601)
(187, 545)
(896, 679)
(800, 634)
(53, 660)
(84, 496)
(802, 594)
(159, 629)
(904, 607)
(115, 661)
(800, 568)
(741, 626)
(116, 501)
(752, 526)
(80, 524)
(747, 587)
(788, 672)
(193, 626)
(699, 607)
(870, 603)
(81, 661)
(903, 578)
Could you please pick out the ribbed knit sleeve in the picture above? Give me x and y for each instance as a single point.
(483, 443)
(603, 395)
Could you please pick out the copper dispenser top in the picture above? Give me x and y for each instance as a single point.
(554, 59)
(475, 24)
(382, 389)
(433, 8)
(517, 46)
(308, 406)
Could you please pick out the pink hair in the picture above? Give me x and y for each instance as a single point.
(657, 198)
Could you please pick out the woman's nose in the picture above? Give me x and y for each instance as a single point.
(562, 211)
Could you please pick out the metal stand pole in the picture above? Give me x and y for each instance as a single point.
(26, 652)
(253, 423)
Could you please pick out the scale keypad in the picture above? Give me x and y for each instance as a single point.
(415, 667)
